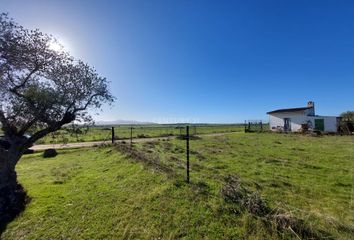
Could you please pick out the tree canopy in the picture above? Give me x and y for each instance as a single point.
(348, 116)
(40, 88)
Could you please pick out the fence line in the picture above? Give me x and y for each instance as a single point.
(127, 132)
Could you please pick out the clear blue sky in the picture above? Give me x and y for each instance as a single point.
(207, 61)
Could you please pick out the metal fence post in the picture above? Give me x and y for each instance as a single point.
(113, 137)
(131, 137)
(187, 152)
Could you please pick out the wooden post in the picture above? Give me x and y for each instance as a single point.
(113, 135)
(187, 152)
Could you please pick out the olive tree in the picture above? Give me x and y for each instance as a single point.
(347, 116)
(40, 91)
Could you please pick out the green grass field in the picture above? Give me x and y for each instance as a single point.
(100, 133)
(103, 193)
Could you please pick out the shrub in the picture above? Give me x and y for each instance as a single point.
(49, 153)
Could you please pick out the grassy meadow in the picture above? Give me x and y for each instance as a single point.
(283, 186)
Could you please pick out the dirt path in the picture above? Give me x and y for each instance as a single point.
(90, 144)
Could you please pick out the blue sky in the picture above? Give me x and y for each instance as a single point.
(207, 61)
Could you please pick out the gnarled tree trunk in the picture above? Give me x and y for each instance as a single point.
(12, 195)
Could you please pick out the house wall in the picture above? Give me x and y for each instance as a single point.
(330, 123)
(276, 120)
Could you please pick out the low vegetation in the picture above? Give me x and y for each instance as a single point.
(249, 186)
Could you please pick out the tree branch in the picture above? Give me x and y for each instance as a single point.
(26, 79)
(87, 104)
(67, 118)
(27, 126)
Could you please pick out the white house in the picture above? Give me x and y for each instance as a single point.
(291, 120)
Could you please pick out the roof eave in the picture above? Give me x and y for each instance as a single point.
(289, 110)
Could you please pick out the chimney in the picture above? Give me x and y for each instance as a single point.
(310, 104)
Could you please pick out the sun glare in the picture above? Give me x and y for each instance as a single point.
(56, 46)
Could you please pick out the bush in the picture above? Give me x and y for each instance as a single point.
(142, 136)
(49, 153)
(304, 128)
(234, 192)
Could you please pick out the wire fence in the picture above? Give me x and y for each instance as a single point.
(122, 132)
(255, 126)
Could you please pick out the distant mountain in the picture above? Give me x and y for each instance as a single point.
(123, 122)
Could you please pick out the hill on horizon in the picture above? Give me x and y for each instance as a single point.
(123, 122)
